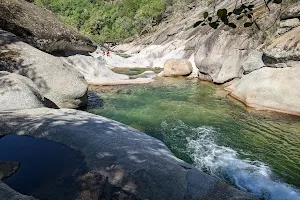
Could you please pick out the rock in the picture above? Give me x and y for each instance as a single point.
(41, 28)
(7, 169)
(222, 53)
(290, 41)
(97, 72)
(94, 70)
(285, 49)
(161, 74)
(177, 67)
(289, 23)
(9, 194)
(60, 84)
(145, 74)
(292, 11)
(121, 162)
(18, 92)
(270, 89)
(205, 77)
(253, 61)
(195, 72)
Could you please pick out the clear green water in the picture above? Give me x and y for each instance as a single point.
(173, 110)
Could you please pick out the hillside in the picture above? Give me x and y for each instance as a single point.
(109, 21)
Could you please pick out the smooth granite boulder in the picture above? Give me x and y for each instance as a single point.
(177, 67)
(270, 89)
(18, 92)
(61, 84)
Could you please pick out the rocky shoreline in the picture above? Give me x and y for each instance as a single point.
(122, 162)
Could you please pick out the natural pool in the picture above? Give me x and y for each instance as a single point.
(255, 151)
(44, 172)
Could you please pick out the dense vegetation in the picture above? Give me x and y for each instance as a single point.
(111, 21)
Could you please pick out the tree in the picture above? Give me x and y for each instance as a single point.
(228, 17)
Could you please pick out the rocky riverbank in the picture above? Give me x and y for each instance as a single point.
(121, 162)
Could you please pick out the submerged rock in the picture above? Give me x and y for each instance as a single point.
(7, 169)
(122, 162)
(60, 84)
(18, 92)
(41, 28)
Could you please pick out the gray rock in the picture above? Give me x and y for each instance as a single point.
(222, 53)
(270, 89)
(18, 92)
(58, 82)
(41, 28)
(178, 67)
(6, 193)
(253, 61)
(122, 162)
(292, 11)
(289, 23)
(94, 70)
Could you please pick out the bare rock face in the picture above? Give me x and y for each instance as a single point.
(61, 84)
(222, 53)
(178, 67)
(292, 11)
(18, 92)
(41, 28)
(95, 70)
(270, 89)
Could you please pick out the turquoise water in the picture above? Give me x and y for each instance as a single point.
(256, 151)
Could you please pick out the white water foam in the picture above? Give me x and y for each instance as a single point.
(252, 176)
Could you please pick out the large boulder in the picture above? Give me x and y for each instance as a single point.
(18, 92)
(222, 53)
(41, 28)
(60, 84)
(178, 67)
(270, 89)
(121, 162)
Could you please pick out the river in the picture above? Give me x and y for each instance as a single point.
(257, 151)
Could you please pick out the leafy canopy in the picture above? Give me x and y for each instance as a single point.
(223, 16)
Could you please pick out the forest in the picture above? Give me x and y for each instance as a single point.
(110, 21)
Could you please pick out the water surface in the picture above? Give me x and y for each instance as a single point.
(48, 170)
